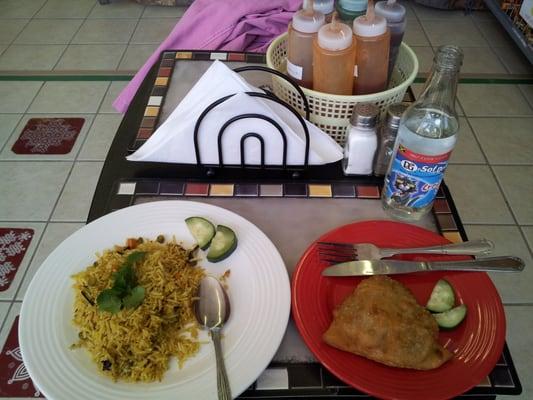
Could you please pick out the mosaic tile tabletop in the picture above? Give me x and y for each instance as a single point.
(282, 379)
(302, 377)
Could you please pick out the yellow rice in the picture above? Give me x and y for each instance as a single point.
(136, 344)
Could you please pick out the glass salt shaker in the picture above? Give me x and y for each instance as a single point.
(387, 137)
(362, 141)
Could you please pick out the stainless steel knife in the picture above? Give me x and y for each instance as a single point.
(386, 267)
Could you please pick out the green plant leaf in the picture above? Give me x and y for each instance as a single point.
(120, 283)
(125, 291)
(134, 257)
(109, 301)
(129, 276)
(135, 297)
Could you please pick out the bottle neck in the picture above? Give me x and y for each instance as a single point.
(440, 89)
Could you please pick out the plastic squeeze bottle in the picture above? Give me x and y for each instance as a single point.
(334, 58)
(350, 9)
(326, 7)
(302, 30)
(394, 13)
(372, 59)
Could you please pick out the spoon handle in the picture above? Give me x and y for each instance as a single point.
(224, 390)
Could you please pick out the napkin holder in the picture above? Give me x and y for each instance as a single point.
(267, 95)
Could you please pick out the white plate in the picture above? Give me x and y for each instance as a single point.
(259, 293)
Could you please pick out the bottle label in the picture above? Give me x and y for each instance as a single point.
(414, 178)
(294, 70)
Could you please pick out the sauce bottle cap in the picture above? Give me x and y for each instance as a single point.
(308, 20)
(335, 36)
(390, 10)
(324, 6)
(369, 25)
(352, 5)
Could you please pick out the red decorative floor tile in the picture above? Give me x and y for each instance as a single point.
(13, 245)
(48, 136)
(14, 378)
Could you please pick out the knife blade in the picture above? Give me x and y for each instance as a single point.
(386, 267)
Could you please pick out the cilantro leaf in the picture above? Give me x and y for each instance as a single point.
(135, 297)
(129, 276)
(134, 257)
(109, 300)
(125, 277)
(125, 292)
(120, 283)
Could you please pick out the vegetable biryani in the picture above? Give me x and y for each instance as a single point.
(133, 309)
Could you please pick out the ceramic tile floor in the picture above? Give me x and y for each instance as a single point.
(62, 35)
(83, 35)
(491, 172)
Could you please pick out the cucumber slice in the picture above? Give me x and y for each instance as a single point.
(222, 245)
(442, 297)
(202, 230)
(451, 318)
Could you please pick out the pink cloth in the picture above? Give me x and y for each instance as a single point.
(234, 25)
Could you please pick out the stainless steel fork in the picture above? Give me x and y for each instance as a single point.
(339, 252)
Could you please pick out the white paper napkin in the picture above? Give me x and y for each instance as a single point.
(173, 140)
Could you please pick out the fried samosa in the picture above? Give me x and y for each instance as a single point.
(381, 320)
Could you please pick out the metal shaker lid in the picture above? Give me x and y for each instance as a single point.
(394, 113)
(364, 115)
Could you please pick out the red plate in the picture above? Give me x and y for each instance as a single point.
(477, 343)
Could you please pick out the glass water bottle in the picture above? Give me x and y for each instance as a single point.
(426, 138)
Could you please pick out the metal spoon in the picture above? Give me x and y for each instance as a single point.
(212, 310)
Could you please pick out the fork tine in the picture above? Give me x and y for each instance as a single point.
(336, 253)
(336, 260)
(336, 248)
(335, 244)
(338, 257)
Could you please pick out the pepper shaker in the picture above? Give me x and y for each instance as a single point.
(362, 141)
(387, 137)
